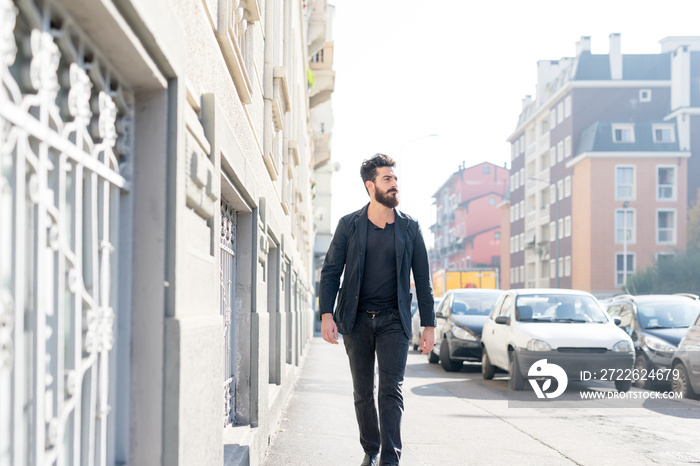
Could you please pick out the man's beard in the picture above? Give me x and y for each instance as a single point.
(388, 199)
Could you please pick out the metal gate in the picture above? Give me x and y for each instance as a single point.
(227, 245)
(64, 143)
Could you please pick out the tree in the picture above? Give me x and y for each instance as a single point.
(673, 274)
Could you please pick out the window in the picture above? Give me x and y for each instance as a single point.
(567, 266)
(560, 189)
(545, 127)
(552, 268)
(552, 118)
(623, 132)
(492, 201)
(497, 235)
(567, 225)
(666, 226)
(666, 183)
(623, 268)
(560, 112)
(663, 133)
(560, 226)
(522, 144)
(486, 169)
(645, 95)
(567, 147)
(624, 183)
(560, 151)
(552, 193)
(552, 230)
(552, 156)
(567, 106)
(624, 226)
(567, 186)
(561, 266)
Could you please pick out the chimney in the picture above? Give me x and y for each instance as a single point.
(615, 57)
(527, 101)
(583, 45)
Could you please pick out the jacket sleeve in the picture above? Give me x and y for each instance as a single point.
(333, 266)
(424, 286)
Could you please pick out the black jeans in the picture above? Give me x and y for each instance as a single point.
(383, 336)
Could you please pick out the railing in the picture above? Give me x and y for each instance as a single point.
(64, 148)
(227, 245)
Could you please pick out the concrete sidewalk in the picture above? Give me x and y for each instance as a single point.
(318, 426)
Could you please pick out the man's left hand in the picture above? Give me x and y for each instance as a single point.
(427, 340)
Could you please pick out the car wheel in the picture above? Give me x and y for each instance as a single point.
(623, 385)
(487, 369)
(516, 381)
(681, 384)
(433, 358)
(641, 368)
(448, 364)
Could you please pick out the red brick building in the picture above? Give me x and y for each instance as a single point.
(467, 229)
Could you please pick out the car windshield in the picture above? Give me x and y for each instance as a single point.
(567, 308)
(476, 304)
(658, 315)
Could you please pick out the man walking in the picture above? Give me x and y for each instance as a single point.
(375, 249)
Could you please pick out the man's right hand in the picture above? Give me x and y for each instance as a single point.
(329, 331)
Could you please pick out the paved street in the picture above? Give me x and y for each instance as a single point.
(459, 418)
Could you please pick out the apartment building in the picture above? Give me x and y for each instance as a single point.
(602, 166)
(156, 226)
(467, 230)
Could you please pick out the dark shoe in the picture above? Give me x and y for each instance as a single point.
(370, 460)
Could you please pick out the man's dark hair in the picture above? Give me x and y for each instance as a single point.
(368, 170)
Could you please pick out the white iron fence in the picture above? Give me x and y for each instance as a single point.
(64, 145)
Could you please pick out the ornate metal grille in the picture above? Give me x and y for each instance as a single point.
(228, 287)
(64, 147)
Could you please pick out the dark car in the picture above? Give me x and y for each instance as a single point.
(656, 323)
(685, 365)
(460, 318)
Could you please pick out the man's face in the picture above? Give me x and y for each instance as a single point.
(386, 190)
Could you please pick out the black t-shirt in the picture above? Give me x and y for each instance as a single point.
(379, 284)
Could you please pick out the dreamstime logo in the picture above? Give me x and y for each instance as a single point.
(542, 369)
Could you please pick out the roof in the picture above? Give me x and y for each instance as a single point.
(598, 137)
(467, 169)
(642, 67)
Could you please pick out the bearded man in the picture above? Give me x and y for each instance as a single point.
(377, 248)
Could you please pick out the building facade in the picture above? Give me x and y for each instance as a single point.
(602, 166)
(467, 230)
(322, 127)
(156, 227)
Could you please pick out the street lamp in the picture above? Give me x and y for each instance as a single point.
(556, 232)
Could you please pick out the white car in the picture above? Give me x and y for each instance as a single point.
(415, 323)
(568, 328)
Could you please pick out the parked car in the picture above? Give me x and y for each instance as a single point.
(568, 328)
(656, 324)
(415, 323)
(460, 318)
(685, 364)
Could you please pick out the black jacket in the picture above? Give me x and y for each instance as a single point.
(345, 257)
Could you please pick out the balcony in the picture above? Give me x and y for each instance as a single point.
(324, 81)
(322, 149)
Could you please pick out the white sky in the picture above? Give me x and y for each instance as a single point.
(406, 69)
